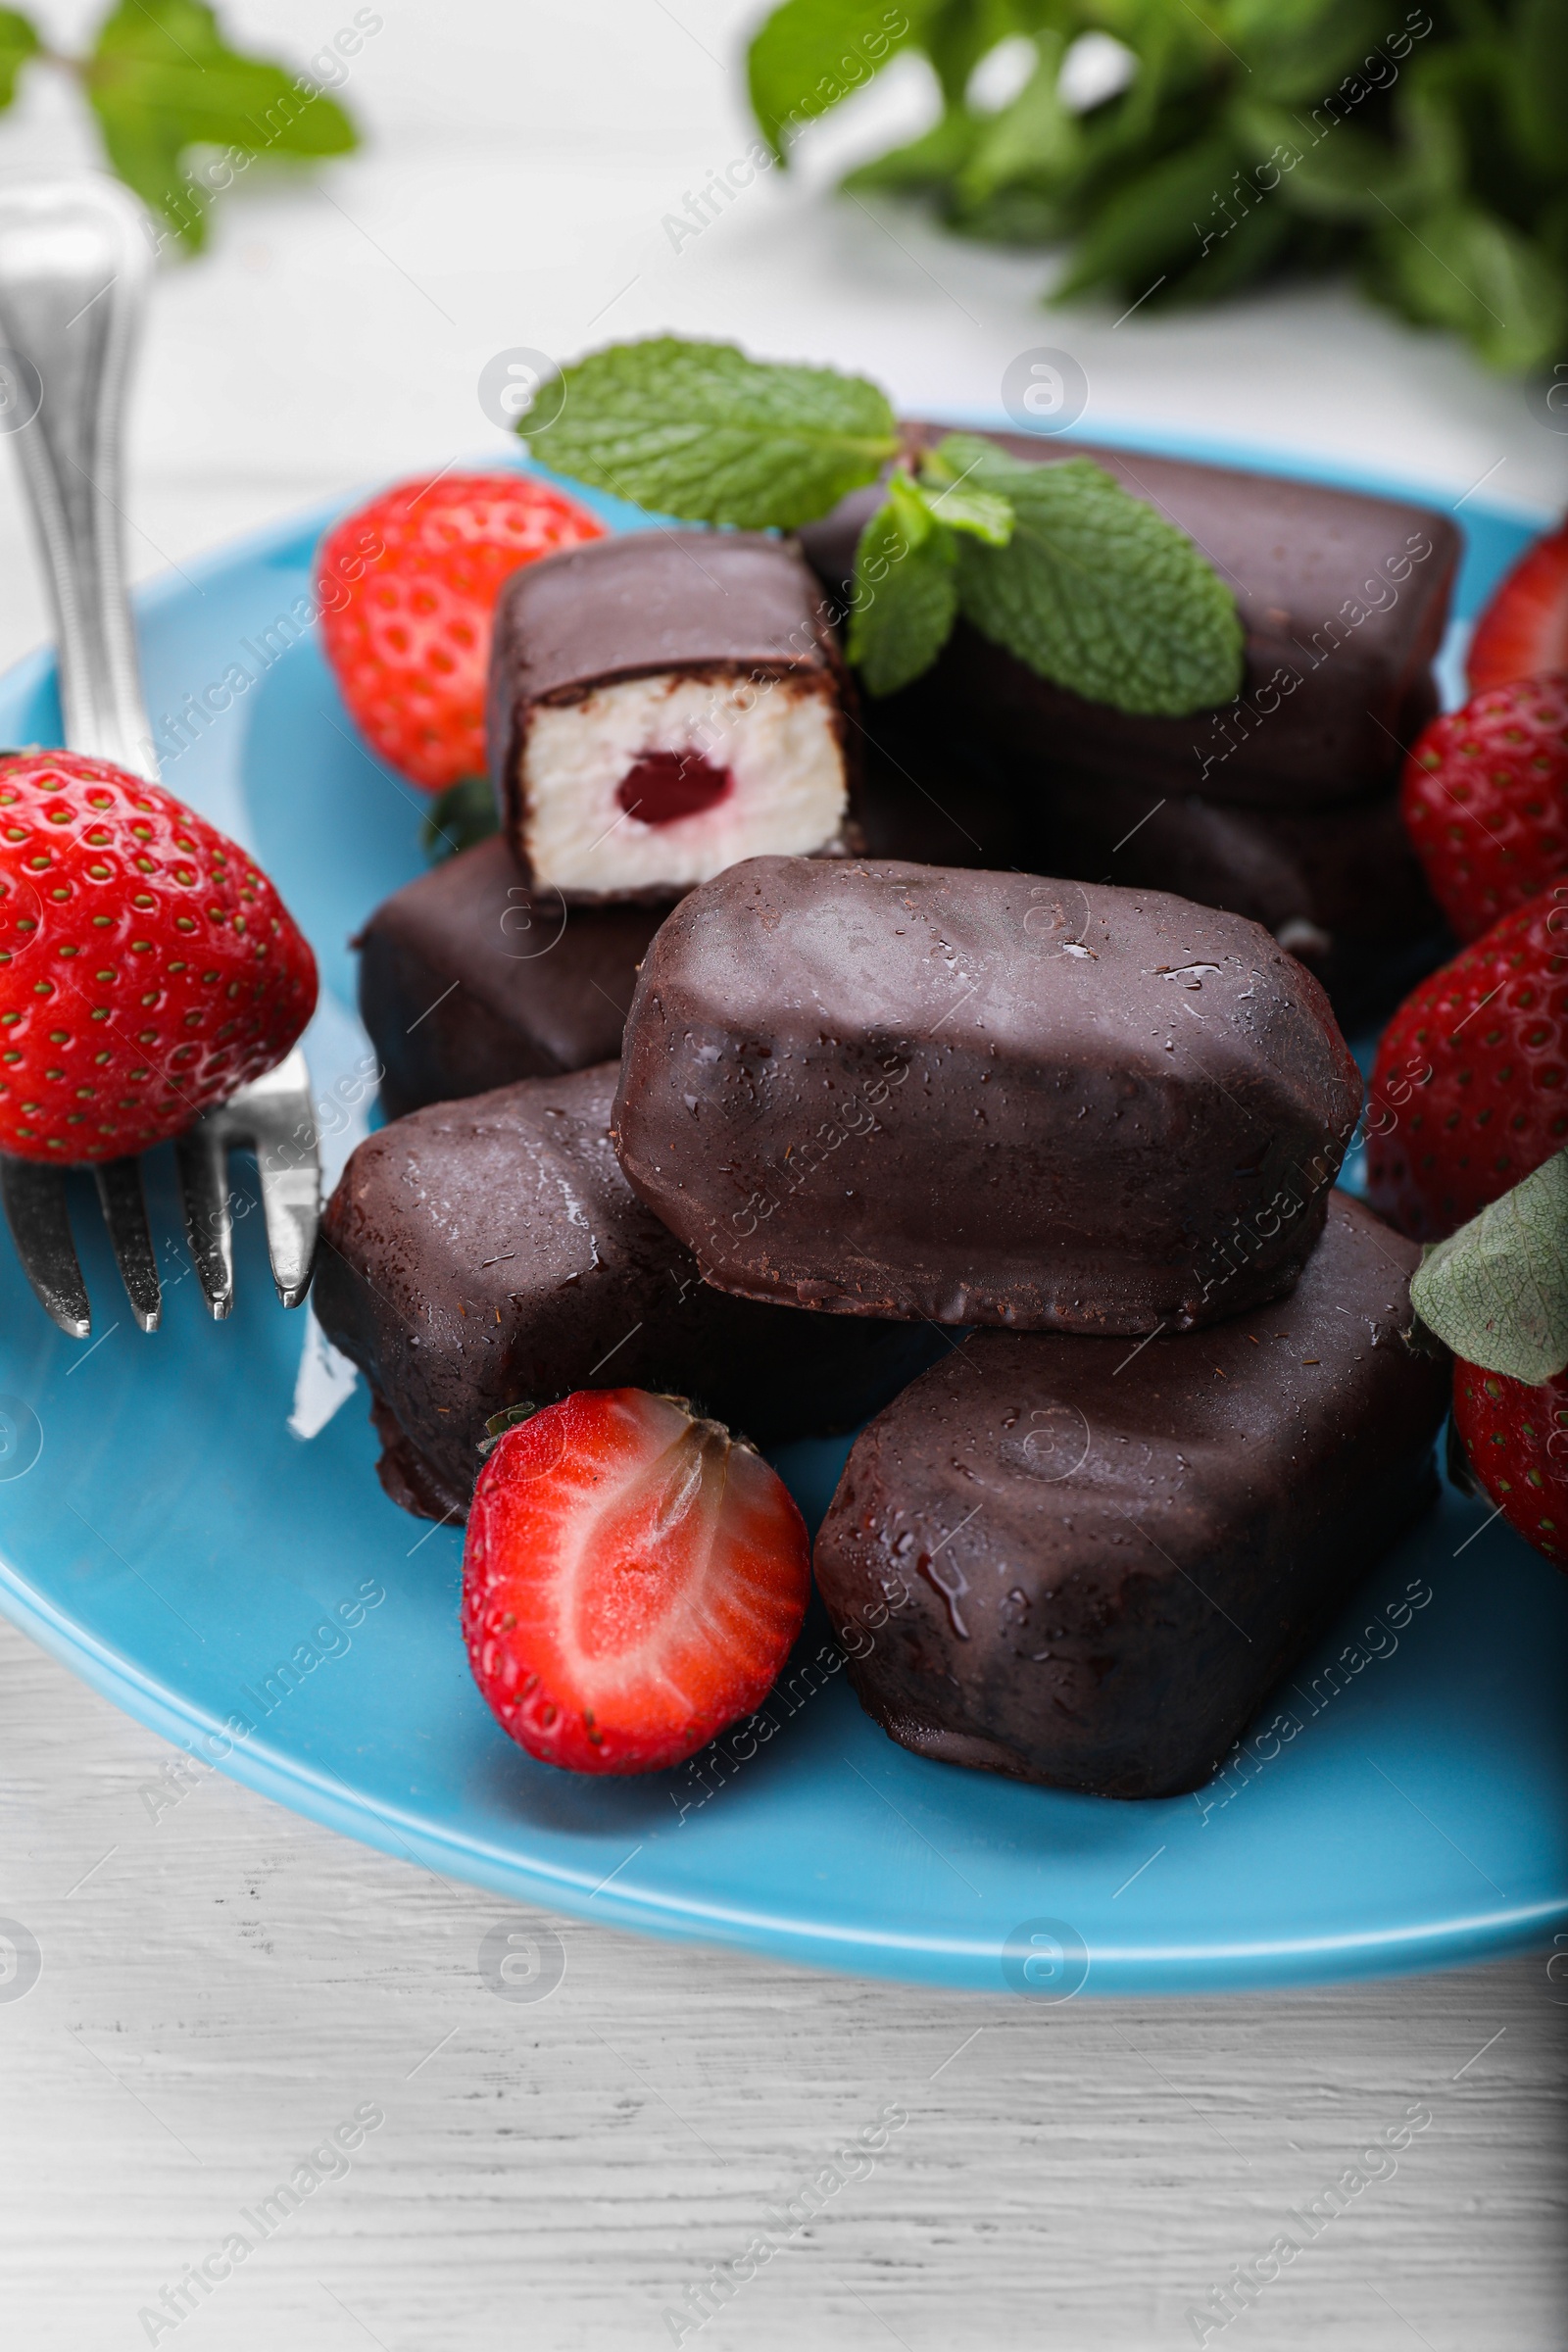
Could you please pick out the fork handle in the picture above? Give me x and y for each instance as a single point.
(76, 257)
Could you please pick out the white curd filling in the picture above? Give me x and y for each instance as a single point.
(776, 738)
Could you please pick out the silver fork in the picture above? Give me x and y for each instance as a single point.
(76, 257)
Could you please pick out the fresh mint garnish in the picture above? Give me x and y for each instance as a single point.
(906, 593)
(1496, 1291)
(1094, 589)
(700, 431)
(1082, 581)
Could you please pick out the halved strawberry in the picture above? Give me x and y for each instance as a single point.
(1524, 630)
(633, 1579)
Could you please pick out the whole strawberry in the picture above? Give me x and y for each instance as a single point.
(1516, 1441)
(633, 1580)
(1485, 799)
(1469, 1091)
(147, 966)
(1523, 632)
(407, 587)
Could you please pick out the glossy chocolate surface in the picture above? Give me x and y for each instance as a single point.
(469, 980)
(713, 605)
(1088, 1567)
(971, 1097)
(1343, 599)
(479, 1253)
(1341, 888)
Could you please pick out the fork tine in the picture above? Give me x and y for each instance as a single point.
(124, 1207)
(276, 1114)
(41, 1226)
(201, 1156)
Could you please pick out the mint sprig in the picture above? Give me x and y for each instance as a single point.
(700, 431)
(1496, 1291)
(1087, 585)
(162, 79)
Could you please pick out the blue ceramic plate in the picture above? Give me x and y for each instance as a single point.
(249, 1593)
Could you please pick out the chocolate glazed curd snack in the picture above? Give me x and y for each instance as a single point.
(470, 979)
(1109, 1555)
(480, 1254)
(980, 1098)
(663, 703)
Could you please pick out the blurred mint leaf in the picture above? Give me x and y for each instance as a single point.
(18, 43)
(1300, 50)
(700, 431)
(1539, 84)
(461, 815)
(1094, 589)
(811, 53)
(925, 162)
(1496, 1291)
(1036, 139)
(1456, 265)
(162, 79)
(1155, 224)
(904, 599)
(1338, 179)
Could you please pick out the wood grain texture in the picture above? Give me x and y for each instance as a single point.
(222, 1984)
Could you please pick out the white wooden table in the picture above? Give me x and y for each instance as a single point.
(221, 1985)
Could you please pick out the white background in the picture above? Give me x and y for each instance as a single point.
(228, 1982)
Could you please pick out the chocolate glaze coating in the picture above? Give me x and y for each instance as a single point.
(1301, 558)
(469, 980)
(1088, 1571)
(1341, 888)
(906, 1090)
(711, 603)
(477, 1254)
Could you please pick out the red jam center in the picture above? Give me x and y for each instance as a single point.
(666, 786)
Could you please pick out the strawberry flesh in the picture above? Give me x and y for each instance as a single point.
(1524, 630)
(633, 1580)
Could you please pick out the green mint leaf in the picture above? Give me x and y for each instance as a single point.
(982, 514)
(1540, 85)
(1036, 139)
(906, 597)
(700, 431)
(461, 815)
(1460, 267)
(924, 164)
(162, 79)
(1094, 589)
(1153, 224)
(811, 53)
(1496, 1291)
(18, 43)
